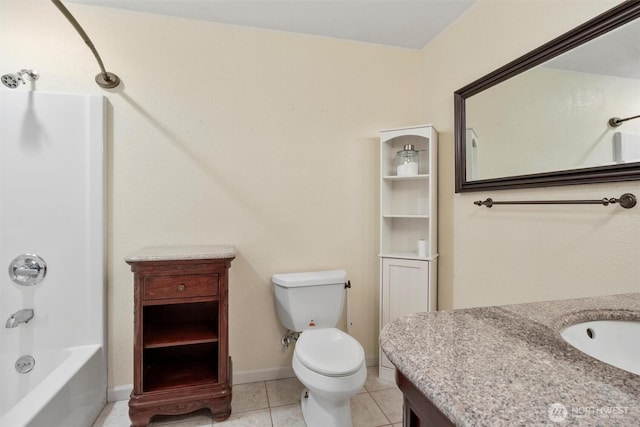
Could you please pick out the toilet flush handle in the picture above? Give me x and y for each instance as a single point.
(347, 284)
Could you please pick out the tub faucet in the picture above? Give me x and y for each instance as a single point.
(22, 316)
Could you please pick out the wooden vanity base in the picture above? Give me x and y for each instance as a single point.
(418, 410)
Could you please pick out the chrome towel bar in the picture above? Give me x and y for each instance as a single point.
(627, 201)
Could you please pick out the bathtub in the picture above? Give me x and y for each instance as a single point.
(52, 205)
(59, 391)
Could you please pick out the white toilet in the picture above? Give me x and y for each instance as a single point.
(327, 361)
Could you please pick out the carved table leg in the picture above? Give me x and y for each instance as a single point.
(220, 408)
(140, 418)
(221, 416)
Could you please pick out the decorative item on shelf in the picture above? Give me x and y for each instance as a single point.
(422, 248)
(407, 161)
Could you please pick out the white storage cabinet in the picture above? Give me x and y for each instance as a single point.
(408, 213)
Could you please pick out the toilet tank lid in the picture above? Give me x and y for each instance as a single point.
(311, 278)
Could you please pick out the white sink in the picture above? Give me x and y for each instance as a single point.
(616, 342)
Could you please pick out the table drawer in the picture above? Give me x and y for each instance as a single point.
(183, 286)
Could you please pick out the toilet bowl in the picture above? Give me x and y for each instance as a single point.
(327, 361)
(331, 365)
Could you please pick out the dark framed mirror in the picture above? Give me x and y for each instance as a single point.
(545, 118)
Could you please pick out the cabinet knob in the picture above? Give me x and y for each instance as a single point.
(181, 287)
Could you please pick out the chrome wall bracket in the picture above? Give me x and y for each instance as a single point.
(289, 337)
(104, 79)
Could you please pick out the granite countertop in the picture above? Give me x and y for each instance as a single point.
(505, 365)
(162, 253)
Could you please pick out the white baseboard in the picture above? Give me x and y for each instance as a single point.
(263, 375)
(372, 360)
(280, 373)
(122, 392)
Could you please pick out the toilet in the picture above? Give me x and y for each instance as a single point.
(327, 361)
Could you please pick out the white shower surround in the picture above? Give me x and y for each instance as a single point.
(52, 204)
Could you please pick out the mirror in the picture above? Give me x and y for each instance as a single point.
(543, 119)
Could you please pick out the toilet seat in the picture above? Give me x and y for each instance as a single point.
(329, 352)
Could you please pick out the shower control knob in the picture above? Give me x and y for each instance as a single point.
(27, 269)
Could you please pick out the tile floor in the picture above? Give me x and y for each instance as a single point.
(277, 404)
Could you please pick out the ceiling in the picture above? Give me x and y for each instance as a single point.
(616, 53)
(401, 23)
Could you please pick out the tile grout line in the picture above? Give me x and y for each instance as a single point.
(380, 407)
(266, 391)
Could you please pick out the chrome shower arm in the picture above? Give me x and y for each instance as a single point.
(105, 79)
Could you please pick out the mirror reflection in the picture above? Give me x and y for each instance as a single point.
(567, 112)
(555, 116)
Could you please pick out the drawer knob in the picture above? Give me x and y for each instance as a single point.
(181, 287)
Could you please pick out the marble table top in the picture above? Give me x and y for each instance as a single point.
(508, 365)
(163, 253)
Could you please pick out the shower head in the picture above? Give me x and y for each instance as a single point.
(13, 80)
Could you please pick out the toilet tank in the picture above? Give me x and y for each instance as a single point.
(310, 299)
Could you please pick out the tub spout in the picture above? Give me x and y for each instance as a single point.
(22, 316)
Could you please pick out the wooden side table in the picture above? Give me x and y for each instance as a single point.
(181, 355)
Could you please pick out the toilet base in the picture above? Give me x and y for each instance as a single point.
(319, 412)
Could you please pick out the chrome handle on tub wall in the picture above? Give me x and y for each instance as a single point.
(27, 269)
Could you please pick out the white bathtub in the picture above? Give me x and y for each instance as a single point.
(59, 391)
(52, 205)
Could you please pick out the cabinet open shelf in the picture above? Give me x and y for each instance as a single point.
(181, 334)
(405, 216)
(406, 178)
(180, 324)
(169, 367)
(167, 376)
(405, 255)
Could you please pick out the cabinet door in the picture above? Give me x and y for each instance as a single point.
(405, 290)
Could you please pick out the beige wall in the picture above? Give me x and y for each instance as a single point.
(223, 134)
(512, 254)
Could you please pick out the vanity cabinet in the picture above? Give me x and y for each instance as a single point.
(418, 410)
(408, 214)
(180, 354)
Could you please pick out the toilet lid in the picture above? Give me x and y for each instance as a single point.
(329, 351)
